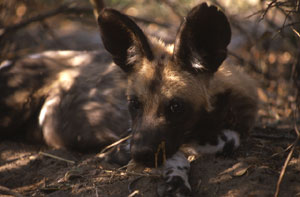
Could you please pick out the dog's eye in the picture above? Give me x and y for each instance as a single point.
(134, 103)
(176, 106)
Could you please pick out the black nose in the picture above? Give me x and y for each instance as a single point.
(144, 155)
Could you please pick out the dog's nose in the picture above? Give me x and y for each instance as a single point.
(143, 155)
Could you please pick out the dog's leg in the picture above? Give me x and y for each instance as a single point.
(177, 167)
(228, 141)
(175, 173)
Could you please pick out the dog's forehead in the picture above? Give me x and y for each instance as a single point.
(161, 79)
(164, 81)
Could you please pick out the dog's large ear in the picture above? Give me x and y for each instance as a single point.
(202, 39)
(123, 39)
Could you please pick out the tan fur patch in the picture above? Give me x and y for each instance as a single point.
(173, 81)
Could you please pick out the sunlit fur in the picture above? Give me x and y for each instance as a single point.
(177, 82)
(160, 80)
(66, 99)
(174, 81)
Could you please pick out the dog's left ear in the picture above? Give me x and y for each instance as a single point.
(202, 39)
(123, 39)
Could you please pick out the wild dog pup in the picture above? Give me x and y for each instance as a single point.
(180, 95)
(66, 99)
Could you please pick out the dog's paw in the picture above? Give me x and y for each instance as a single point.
(175, 175)
(176, 187)
(231, 141)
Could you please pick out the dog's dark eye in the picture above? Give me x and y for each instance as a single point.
(134, 103)
(176, 106)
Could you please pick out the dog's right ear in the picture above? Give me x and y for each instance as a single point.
(123, 39)
(202, 39)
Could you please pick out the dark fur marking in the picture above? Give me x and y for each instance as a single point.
(176, 187)
(211, 123)
(180, 168)
(119, 33)
(224, 138)
(157, 80)
(154, 85)
(228, 149)
(169, 172)
(233, 112)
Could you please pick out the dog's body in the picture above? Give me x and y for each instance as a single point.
(178, 95)
(67, 99)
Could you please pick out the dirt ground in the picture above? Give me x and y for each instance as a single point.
(27, 170)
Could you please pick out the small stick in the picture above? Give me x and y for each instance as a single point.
(9, 191)
(115, 144)
(56, 157)
(296, 32)
(133, 173)
(134, 193)
(287, 162)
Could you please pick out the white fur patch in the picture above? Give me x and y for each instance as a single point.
(45, 109)
(195, 149)
(232, 135)
(5, 64)
(177, 166)
(35, 56)
(207, 148)
(80, 59)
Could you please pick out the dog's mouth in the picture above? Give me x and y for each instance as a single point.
(152, 157)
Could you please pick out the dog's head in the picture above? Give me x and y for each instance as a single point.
(167, 85)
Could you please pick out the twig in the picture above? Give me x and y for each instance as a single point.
(16, 159)
(115, 144)
(131, 185)
(62, 9)
(288, 25)
(96, 190)
(273, 133)
(136, 192)
(250, 63)
(9, 191)
(133, 173)
(285, 150)
(43, 16)
(287, 162)
(142, 174)
(56, 157)
(269, 7)
(296, 32)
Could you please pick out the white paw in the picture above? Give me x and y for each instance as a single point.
(175, 173)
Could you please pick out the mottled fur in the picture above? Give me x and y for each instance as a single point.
(187, 75)
(66, 99)
(181, 94)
